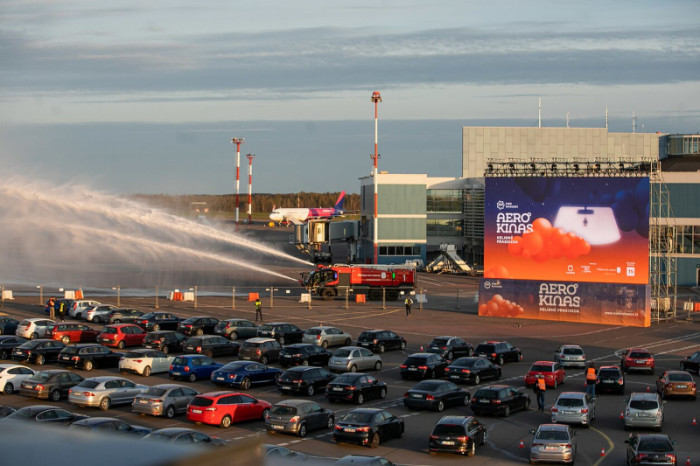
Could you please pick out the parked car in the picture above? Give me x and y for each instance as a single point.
(552, 372)
(52, 384)
(553, 443)
(281, 331)
(88, 356)
(610, 379)
(12, 375)
(691, 363)
(45, 414)
(472, 370)
(104, 392)
(183, 436)
(379, 341)
(99, 314)
(676, 383)
(121, 335)
(498, 352)
(366, 460)
(198, 325)
(192, 367)
(303, 379)
(167, 341)
(368, 426)
(280, 453)
(305, 354)
(651, 449)
(6, 411)
(435, 395)
(33, 328)
(263, 350)
(109, 426)
(38, 351)
(450, 347)
(570, 356)
(8, 343)
(644, 410)
(353, 359)
(71, 332)
(457, 434)
(211, 345)
(423, 366)
(124, 316)
(574, 408)
(298, 417)
(165, 400)
(77, 308)
(154, 321)
(244, 374)
(499, 400)
(233, 329)
(637, 359)
(326, 336)
(8, 325)
(145, 362)
(225, 408)
(355, 387)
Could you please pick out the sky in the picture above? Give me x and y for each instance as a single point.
(145, 96)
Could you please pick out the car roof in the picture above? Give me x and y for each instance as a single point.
(96, 420)
(320, 327)
(259, 339)
(455, 419)
(34, 319)
(299, 345)
(375, 330)
(446, 336)
(572, 395)
(121, 325)
(294, 402)
(543, 362)
(350, 347)
(219, 393)
(169, 386)
(644, 396)
(677, 372)
(366, 410)
(420, 355)
(609, 367)
(277, 323)
(300, 368)
(640, 349)
(174, 430)
(105, 378)
(560, 427)
(497, 387)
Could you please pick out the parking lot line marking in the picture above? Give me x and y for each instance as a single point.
(611, 445)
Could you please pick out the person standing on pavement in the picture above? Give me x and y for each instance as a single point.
(409, 303)
(539, 389)
(258, 310)
(590, 379)
(61, 311)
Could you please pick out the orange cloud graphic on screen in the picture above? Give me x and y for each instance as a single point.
(499, 271)
(497, 306)
(544, 242)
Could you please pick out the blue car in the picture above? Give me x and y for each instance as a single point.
(192, 367)
(8, 325)
(243, 374)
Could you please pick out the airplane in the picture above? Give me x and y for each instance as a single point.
(300, 215)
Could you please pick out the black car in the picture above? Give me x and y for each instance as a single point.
(154, 321)
(457, 434)
(123, 316)
(379, 341)
(167, 341)
(45, 414)
(435, 395)
(38, 351)
(650, 449)
(499, 399)
(260, 349)
(355, 387)
(88, 356)
(691, 363)
(610, 379)
(304, 354)
(6, 411)
(303, 379)
(243, 374)
(450, 347)
(185, 436)
(109, 425)
(8, 325)
(472, 370)
(8, 343)
(423, 366)
(282, 332)
(236, 328)
(211, 345)
(53, 384)
(198, 325)
(498, 351)
(368, 426)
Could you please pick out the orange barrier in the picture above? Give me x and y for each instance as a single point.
(360, 298)
(253, 296)
(79, 294)
(178, 296)
(696, 308)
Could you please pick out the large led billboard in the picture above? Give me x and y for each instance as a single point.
(578, 229)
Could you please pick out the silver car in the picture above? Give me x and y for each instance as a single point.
(326, 336)
(298, 417)
(165, 400)
(574, 408)
(33, 328)
(570, 356)
(553, 443)
(105, 391)
(99, 313)
(79, 307)
(644, 410)
(353, 359)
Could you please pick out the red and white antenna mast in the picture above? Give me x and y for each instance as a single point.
(250, 187)
(376, 98)
(238, 142)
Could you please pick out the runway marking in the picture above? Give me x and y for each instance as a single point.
(611, 445)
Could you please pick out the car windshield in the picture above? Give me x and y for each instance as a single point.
(345, 378)
(366, 336)
(655, 445)
(644, 404)
(42, 376)
(540, 368)
(570, 402)
(427, 386)
(155, 391)
(465, 362)
(250, 344)
(148, 316)
(191, 320)
(109, 330)
(266, 328)
(552, 435)
(484, 349)
(313, 331)
(31, 344)
(487, 394)
(235, 365)
(439, 342)
(284, 410)
(573, 351)
(201, 401)
(680, 377)
(639, 354)
(180, 360)
(416, 360)
(448, 429)
(609, 373)
(358, 418)
(133, 355)
(341, 353)
(88, 384)
(69, 350)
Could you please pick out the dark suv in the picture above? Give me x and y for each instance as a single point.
(198, 325)
(167, 341)
(457, 434)
(154, 321)
(282, 332)
(304, 380)
(379, 341)
(124, 316)
(610, 379)
(450, 347)
(211, 345)
(645, 448)
(304, 354)
(263, 350)
(499, 399)
(423, 366)
(498, 352)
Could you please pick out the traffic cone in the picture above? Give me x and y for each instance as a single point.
(695, 422)
(421, 348)
(602, 452)
(647, 387)
(522, 445)
(622, 415)
(687, 461)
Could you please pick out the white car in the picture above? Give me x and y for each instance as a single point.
(11, 376)
(99, 313)
(79, 307)
(33, 328)
(145, 362)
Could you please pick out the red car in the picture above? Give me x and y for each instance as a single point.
(72, 332)
(121, 335)
(552, 372)
(224, 408)
(637, 359)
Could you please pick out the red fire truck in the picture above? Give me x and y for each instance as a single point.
(373, 281)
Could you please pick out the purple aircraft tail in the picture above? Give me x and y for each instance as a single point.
(338, 208)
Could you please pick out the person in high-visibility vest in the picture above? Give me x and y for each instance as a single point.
(590, 379)
(539, 388)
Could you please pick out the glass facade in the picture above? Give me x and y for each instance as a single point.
(444, 201)
(685, 238)
(688, 144)
(399, 250)
(444, 227)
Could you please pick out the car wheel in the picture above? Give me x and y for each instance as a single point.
(305, 362)
(165, 349)
(430, 374)
(382, 393)
(527, 404)
(331, 422)
(506, 411)
(78, 315)
(121, 344)
(156, 327)
(87, 365)
(199, 332)
(9, 388)
(40, 359)
(324, 344)
(378, 366)
(265, 413)
(65, 339)
(302, 430)
(554, 387)
(403, 345)
(348, 341)
(310, 390)
(466, 400)
(375, 441)
(245, 383)
(353, 368)
(3, 354)
(381, 349)
(97, 320)
(146, 371)
(55, 395)
(105, 403)
(359, 398)
(477, 379)
(117, 321)
(34, 336)
(476, 412)
(440, 406)
(282, 340)
(209, 353)
(170, 412)
(498, 374)
(500, 361)
(263, 359)
(470, 353)
(472, 449)
(225, 422)
(192, 378)
(233, 336)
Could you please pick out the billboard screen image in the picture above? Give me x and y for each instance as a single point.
(579, 229)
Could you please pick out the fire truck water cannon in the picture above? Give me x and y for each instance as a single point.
(376, 282)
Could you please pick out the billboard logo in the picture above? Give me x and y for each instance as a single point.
(513, 222)
(630, 271)
(559, 294)
(500, 205)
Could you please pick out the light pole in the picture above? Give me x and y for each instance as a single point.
(195, 295)
(376, 98)
(233, 298)
(238, 142)
(119, 289)
(250, 187)
(41, 295)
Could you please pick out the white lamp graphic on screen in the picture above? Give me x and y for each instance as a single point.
(596, 225)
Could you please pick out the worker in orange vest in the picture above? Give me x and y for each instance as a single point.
(590, 379)
(539, 389)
